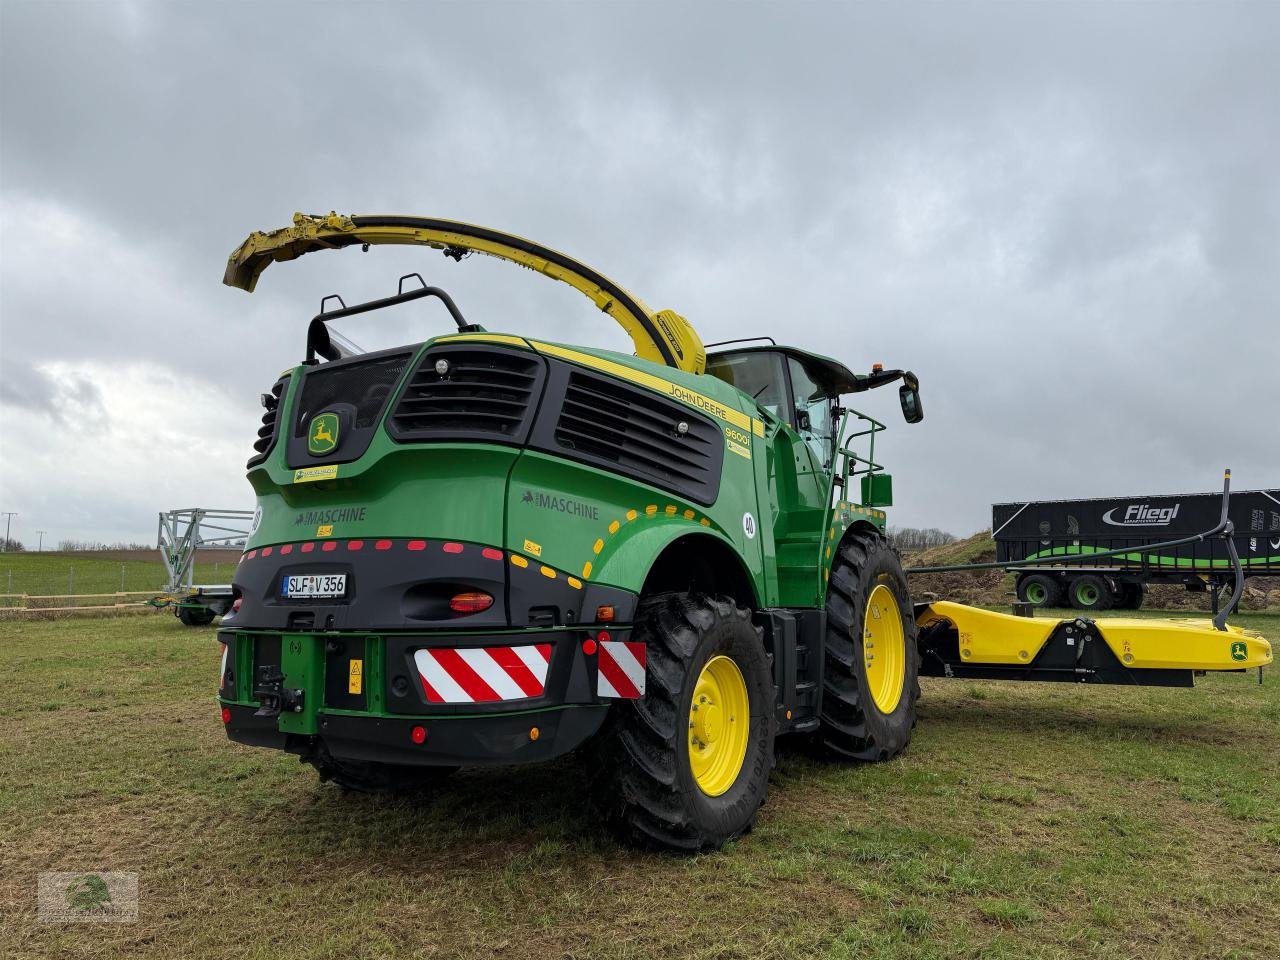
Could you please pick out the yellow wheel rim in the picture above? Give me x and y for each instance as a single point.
(884, 648)
(719, 726)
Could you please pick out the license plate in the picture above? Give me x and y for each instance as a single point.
(314, 585)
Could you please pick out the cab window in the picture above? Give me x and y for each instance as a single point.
(758, 374)
(813, 413)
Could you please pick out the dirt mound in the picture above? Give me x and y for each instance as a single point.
(963, 586)
(995, 587)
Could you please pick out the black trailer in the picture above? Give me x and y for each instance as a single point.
(1076, 529)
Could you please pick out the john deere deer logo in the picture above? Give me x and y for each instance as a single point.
(323, 437)
(1239, 650)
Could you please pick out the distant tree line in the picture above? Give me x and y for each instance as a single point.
(89, 546)
(911, 539)
(9, 545)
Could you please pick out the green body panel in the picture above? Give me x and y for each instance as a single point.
(302, 663)
(574, 518)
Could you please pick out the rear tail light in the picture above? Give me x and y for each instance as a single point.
(472, 601)
(226, 715)
(235, 604)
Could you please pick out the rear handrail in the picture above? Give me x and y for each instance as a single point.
(1224, 529)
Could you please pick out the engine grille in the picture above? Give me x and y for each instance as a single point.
(486, 394)
(637, 433)
(270, 418)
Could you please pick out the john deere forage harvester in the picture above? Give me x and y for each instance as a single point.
(491, 549)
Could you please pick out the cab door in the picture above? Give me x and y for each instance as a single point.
(799, 451)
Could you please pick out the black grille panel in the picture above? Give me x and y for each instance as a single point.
(484, 394)
(364, 384)
(270, 417)
(636, 433)
(358, 390)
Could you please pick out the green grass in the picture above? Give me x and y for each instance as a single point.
(1025, 820)
(57, 574)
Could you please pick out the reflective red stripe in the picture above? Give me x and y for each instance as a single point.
(266, 551)
(355, 544)
(308, 547)
(464, 676)
(513, 666)
(453, 548)
(417, 544)
(489, 553)
(329, 546)
(430, 691)
(382, 545)
(617, 679)
(287, 548)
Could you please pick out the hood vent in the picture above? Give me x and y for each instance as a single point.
(267, 432)
(639, 434)
(464, 393)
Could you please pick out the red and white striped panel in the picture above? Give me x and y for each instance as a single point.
(483, 674)
(620, 670)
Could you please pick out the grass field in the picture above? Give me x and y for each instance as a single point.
(1025, 820)
(57, 574)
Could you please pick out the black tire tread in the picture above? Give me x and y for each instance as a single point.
(639, 787)
(844, 730)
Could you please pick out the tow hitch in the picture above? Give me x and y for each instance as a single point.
(273, 696)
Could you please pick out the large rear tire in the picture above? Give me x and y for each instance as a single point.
(686, 767)
(870, 677)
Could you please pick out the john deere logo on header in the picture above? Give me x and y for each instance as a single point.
(323, 436)
(1239, 650)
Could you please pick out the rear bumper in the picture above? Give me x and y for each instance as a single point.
(492, 740)
(532, 695)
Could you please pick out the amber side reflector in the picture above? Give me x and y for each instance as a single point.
(605, 614)
(473, 601)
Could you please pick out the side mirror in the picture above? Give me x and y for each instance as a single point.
(909, 398)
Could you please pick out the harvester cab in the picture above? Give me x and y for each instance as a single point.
(490, 549)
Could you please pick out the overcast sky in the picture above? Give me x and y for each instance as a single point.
(1064, 218)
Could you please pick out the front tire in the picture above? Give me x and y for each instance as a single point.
(869, 705)
(687, 766)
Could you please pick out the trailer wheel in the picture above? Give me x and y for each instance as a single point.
(870, 679)
(1130, 597)
(1040, 590)
(193, 616)
(1089, 592)
(368, 777)
(687, 766)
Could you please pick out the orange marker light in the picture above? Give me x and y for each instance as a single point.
(877, 368)
(605, 614)
(472, 601)
(533, 733)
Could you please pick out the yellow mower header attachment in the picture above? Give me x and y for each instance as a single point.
(663, 336)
